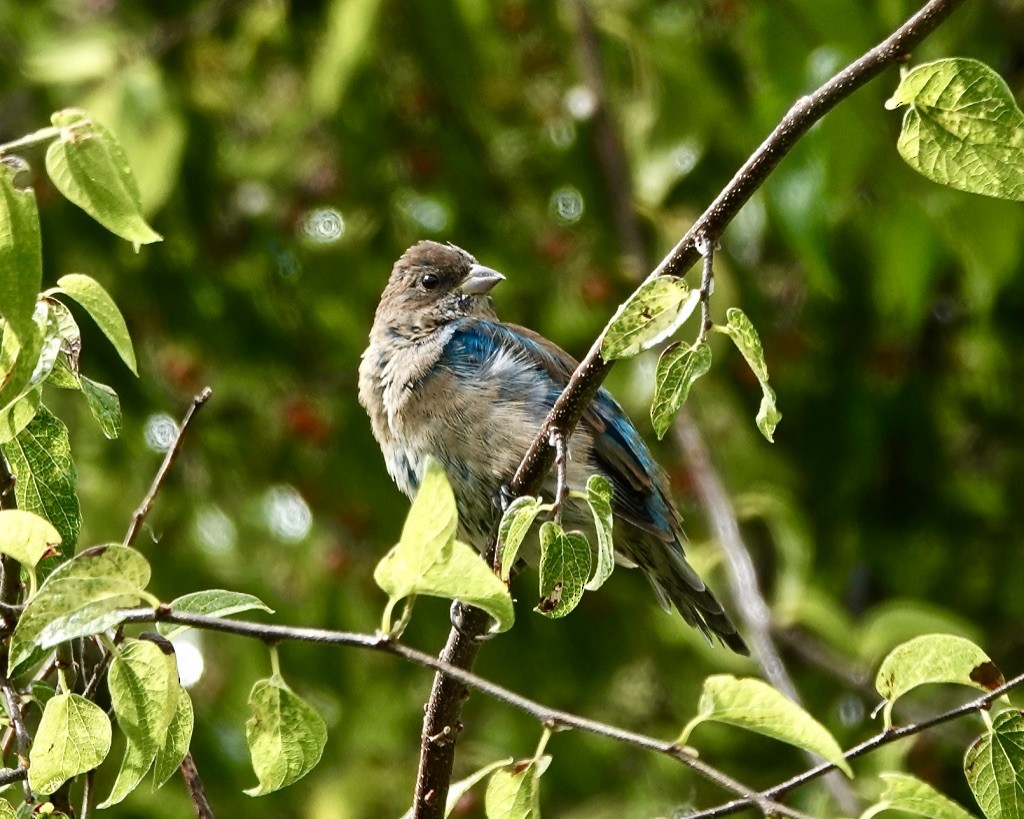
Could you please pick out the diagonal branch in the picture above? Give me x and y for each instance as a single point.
(445, 704)
(147, 502)
(551, 717)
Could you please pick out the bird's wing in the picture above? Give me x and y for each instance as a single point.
(640, 486)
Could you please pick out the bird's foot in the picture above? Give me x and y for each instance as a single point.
(503, 498)
(465, 621)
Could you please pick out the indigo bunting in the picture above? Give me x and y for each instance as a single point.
(442, 376)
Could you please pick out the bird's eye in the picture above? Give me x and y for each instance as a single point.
(429, 281)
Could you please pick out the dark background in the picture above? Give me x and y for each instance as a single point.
(290, 152)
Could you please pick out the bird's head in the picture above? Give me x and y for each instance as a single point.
(432, 284)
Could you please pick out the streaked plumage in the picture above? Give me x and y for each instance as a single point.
(443, 377)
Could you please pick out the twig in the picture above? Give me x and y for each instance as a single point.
(746, 591)
(588, 376)
(561, 469)
(877, 741)
(147, 502)
(707, 287)
(12, 704)
(88, 796)
(10, 580)
(190, 774)
(451, 674)
(272, 633)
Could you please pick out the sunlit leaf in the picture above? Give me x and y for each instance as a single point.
(565, 559)
(104, 406)
(40, 458)
(101, 307)
(176, 743)
(428, 560)
(756, 706)
(515, 525)
(134, 766)
(652, 314)
(88, 166)
(934, 658)
(513, 792)
(678, 367)
(19, 357)
(80, 597)
(747, 341)
(143, 683)
(963, 128)
(26, 537)
(212, 603)
(994, 766)
(15, 419)
(286, 736)
(21, 256)
(908, 794)
(73, 737)
(599, 499)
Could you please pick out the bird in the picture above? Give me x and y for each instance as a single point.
(443, 377)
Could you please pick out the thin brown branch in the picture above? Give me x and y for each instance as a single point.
(443, 716)
(454, 675)
(10, 569)
(884, 738)
(552, 717)
(12, 705)
(147, 502)
(194, 784)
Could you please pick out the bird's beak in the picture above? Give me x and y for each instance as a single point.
(480, 281)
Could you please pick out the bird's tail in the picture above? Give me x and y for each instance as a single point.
(677, 582)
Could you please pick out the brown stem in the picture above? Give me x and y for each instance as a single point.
(190, 774)
(147, 502)
(588, 376)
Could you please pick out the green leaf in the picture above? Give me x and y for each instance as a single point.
(40, 458)
(213, 603)
(88, 166)
(463, 786)
(103, 404)
(747, 341)
(599, 499)
(963, 128)
(678, 367)
(428, 560)
(15, 419)
(19, 358)
(515, 525)
(143, 683)
(179, 736)
(910, 795)
(653, 313)
(565, 560)
(934, 658)
(513, 792)
(756, 706)
(134, 766)
(101, 307)
(7, 811)
(80, 597)
(994, 766)
(21, 255)
(286, 736)
(73, 737)
(26, 537)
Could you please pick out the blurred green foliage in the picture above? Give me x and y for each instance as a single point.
(288, 153)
